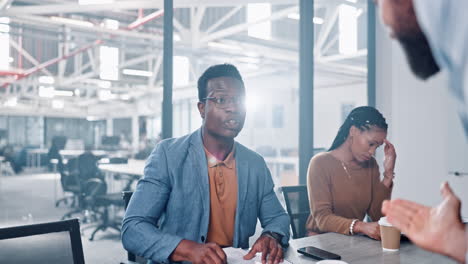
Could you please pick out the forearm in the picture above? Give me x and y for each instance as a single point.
(388, 182)
(277, 222)
(456, 243)
(144, 239)
(272, 215)
(329, 222)
(388, 179)
(183, 251)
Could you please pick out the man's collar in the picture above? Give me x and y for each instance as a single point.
(228, 161)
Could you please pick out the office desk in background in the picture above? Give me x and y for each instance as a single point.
(362, 250)
(70, 153)
(133, 168)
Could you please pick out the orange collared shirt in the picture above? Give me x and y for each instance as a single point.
(223, 199)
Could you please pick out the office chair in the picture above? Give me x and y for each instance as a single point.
(297, 206)
(83, 171)
(70, 183)
(100, 202)
(53, 242)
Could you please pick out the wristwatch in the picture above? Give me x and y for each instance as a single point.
(274, 235)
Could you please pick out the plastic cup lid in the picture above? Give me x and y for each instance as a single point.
(383, 222)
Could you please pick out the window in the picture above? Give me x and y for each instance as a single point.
(345, 110)
(109, 63)
(347, 29)
(269, 70)
(277, 114)
(4, 43)
(181, 71)
(254, 13)
(340, 78)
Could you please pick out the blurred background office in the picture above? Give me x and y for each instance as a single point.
(80, 77)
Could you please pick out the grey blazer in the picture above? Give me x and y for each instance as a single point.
(175, 193)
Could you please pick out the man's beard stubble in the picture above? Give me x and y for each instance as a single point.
(419, 54)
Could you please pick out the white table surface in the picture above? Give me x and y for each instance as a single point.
(133, 167)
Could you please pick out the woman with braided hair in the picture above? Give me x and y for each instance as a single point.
(344, 184)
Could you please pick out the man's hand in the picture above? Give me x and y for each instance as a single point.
(371, 229)
(196, 253)
(271, 250)
(437, 229)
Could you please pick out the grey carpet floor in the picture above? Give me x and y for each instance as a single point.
(29, 198)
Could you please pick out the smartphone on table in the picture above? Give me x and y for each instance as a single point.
(317, 253)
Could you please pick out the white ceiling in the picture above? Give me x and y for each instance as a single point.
(206, 31)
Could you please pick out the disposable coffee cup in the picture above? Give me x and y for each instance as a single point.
(390, 235)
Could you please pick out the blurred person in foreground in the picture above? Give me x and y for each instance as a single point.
(433, 34)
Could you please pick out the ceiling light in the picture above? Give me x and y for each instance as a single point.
(63, 93)
(316, 20)
(137, 73)
(46, 91)
(104, 84)
(58, 104)
(111, 24)
(46, 79)
(105, 95)
(125, 97)
(295, 16)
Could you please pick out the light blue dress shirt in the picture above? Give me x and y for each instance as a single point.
(445, 23)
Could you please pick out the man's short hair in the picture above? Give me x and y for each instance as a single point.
(215, 71)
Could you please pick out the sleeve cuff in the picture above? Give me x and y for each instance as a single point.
(284, 241)
(170, 245)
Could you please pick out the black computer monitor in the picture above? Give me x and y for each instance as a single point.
(110, 141)
(54, 242)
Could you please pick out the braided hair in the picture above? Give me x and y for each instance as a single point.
(363, 117)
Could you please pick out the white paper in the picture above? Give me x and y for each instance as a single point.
(236, 256)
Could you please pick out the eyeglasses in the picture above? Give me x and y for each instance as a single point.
(224, 102)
